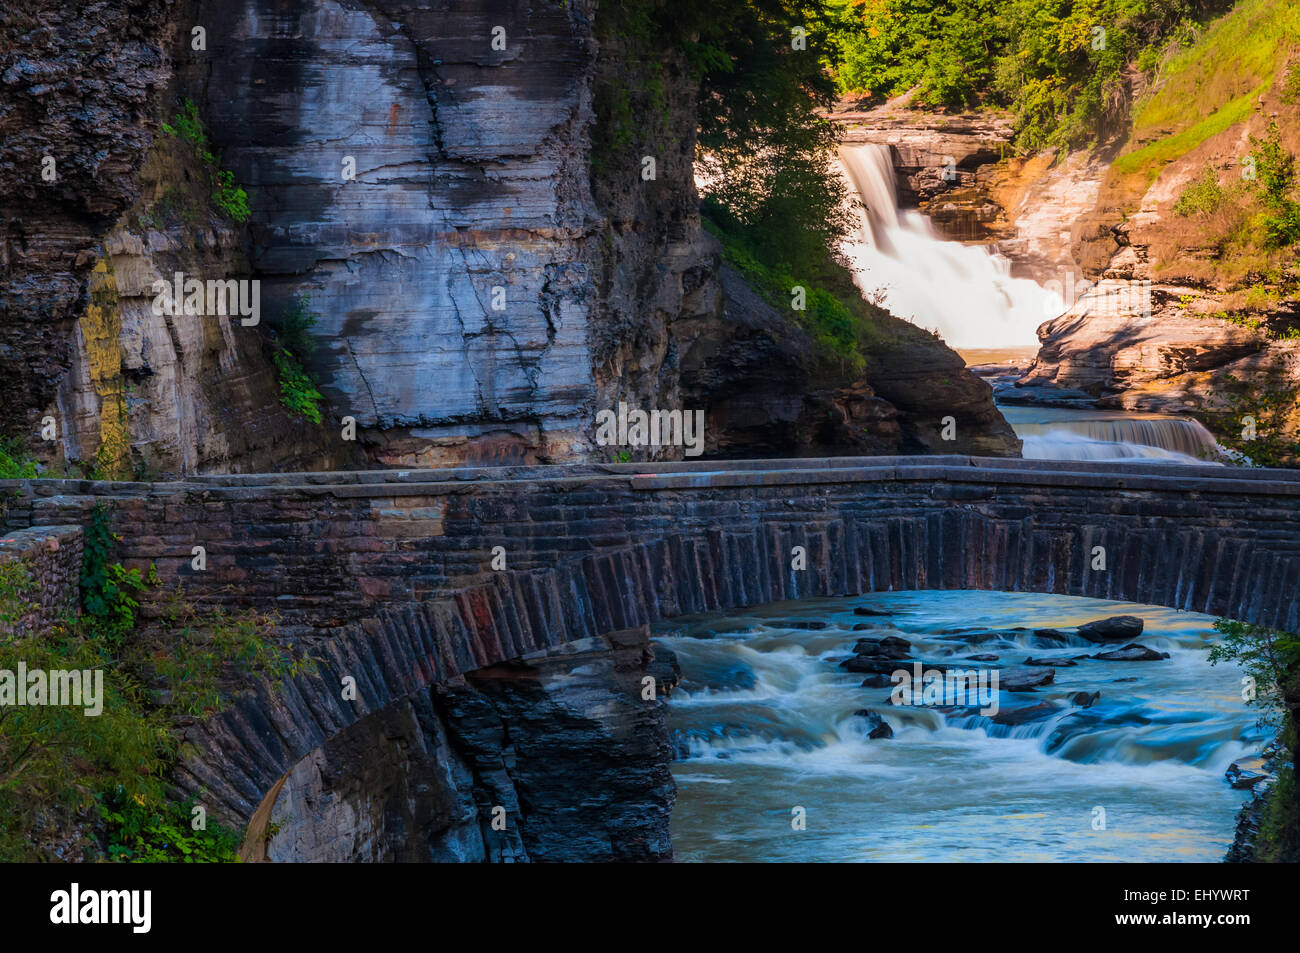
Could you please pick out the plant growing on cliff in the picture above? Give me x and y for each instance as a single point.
(1263, 416)
(291, 344)
(108, 589)
(1269, 658)
(226, 196)
(151, 832)
(15, 462)
(1276, 171)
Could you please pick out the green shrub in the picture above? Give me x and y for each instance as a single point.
(15, 462)
(108, 589)
(1275, 171)
(291, 344)
(140, 831)
(1203, 196)
(227, 197)
(98, 784)
(1267, 656)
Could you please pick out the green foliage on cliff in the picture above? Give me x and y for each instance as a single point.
(291, 344)
(108, 589)
(1062, 66)
(15, 462)
(227, 197)
(1268, 657)
(74, 784)
(1275, 170)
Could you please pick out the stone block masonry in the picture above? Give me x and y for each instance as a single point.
(52, 555)
(595, 549)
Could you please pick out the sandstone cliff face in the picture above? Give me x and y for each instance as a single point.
(555, 759)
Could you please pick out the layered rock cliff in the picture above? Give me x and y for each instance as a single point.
(559, 758)
(445, 188)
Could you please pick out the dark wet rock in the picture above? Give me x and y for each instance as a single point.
(1131, 678)
(863, 626)
(1244, 778)
(1055, 635)
(800, 624)
(873, 666)
(1085, 699)
(863, 610)
(1132, 653)
(1026, 714)
(1116, 628)
(1025, 678)
(879, 728)
(1051, 662)
(982, 658)
(1249, 819)
(891, 646)
(664, 668)
(877, 681)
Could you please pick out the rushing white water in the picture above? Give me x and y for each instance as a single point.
(1064, 434)
(964, 292)
(764, 721)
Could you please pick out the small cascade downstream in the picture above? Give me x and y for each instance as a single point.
(964, 292)
(1063, 434)
(765, 720)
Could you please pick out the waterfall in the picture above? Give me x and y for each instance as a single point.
(1058, 434)
(964, 292)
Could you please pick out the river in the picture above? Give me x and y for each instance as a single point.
(763, 722)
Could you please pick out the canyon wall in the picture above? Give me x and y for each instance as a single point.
(486, 261)
(559, 757)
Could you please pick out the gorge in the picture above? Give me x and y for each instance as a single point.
(392, 577)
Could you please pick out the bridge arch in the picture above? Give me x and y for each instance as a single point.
(598, 550)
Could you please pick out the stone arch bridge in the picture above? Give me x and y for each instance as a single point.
(388, 574)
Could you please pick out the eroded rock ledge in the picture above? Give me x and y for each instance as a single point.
(558, 757)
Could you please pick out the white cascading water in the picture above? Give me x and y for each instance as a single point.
(1061, 434)
(964, 292)
(764, 718)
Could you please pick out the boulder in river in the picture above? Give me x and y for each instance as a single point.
(1051, 662)
(1025, 678)
(1025, 714)
(1055, 635)
(983, 657)
(1085, 699)
(1132, 653)
(863, 610)
(891, 646)
(877, 681)
(1244, 778)
(800, 624)
(879, 728)
(1116, 628)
